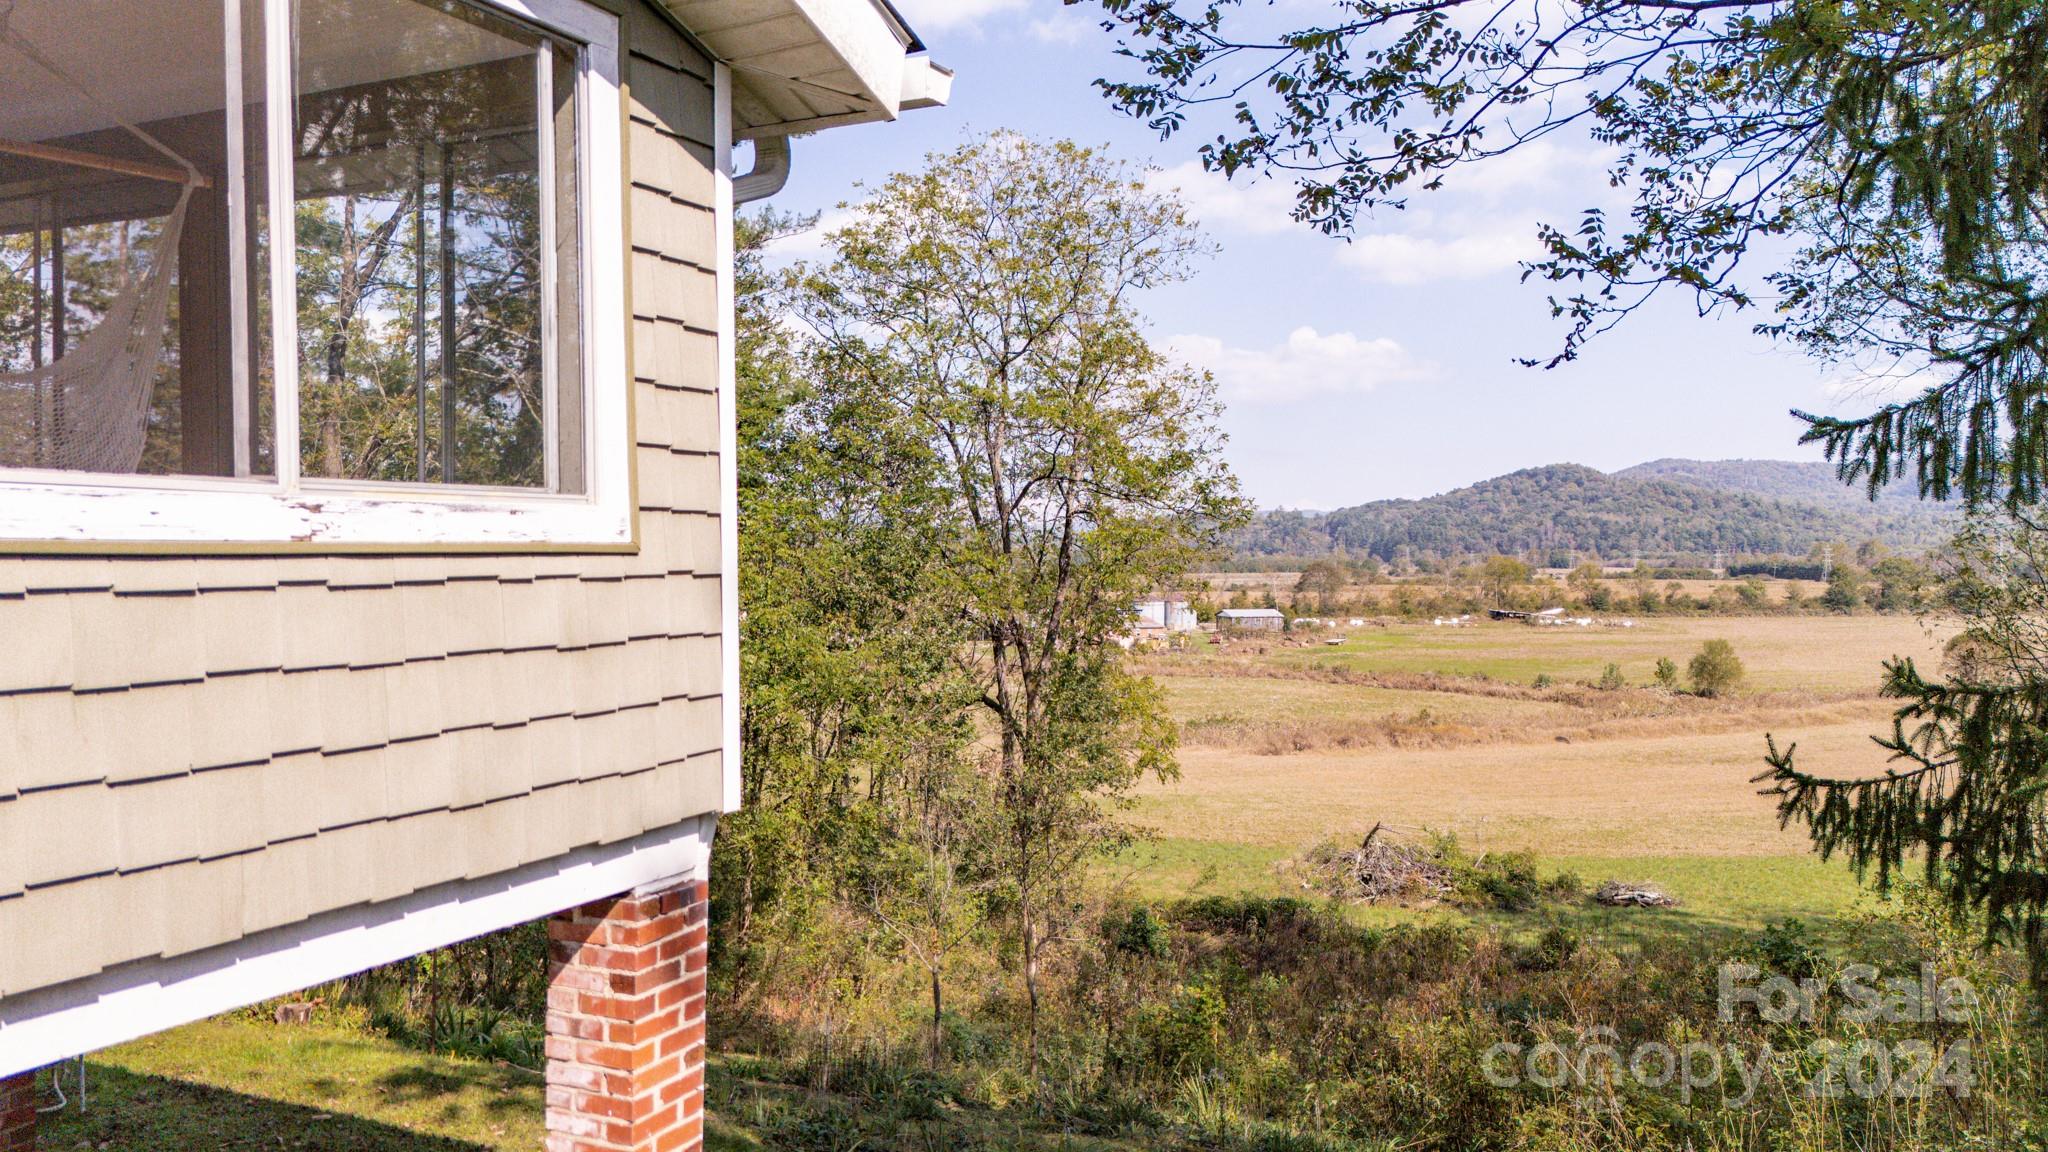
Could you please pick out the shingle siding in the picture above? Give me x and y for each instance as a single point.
(192, 750)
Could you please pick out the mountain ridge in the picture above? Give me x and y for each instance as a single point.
(1664, 507)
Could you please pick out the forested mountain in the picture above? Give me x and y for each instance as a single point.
(1749, 507)
(1813, 481)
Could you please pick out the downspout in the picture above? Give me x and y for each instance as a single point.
(770, 174)
(725, 203)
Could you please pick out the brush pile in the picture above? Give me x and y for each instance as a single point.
(1384, 868)
(1615, 894)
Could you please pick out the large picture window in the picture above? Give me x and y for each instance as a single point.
(432, 331)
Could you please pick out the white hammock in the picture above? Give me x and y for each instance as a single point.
(89, 410)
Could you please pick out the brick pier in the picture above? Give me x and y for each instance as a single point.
(18, 1113)
(625, 1041)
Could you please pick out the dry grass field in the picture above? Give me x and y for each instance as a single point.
(1441, 729)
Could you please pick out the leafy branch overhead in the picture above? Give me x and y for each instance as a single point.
(1896, 146)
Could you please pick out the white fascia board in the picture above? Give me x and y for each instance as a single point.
(864, 39)
(926, 84)
(48, 1025)
(861, 34)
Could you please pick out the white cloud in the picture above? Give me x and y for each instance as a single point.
(1878, 380)
(1064, 28)
(1457, 247)
(948, 15)
(1307, 364)
(1483, 221)
(1228, 205)
(1536, 167)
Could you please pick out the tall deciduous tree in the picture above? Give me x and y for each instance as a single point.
(985, 304)
(1499, 576)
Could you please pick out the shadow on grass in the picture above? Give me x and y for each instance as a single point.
(135, 1113)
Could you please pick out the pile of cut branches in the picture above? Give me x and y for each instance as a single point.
(1385, 868)
(1616, 894)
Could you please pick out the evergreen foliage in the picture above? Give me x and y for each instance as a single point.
(1968, 803)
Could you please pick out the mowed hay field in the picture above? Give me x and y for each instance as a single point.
(1814, 653)
(1423, 728)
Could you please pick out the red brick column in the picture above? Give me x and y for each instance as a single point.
(626, 1023)
(18, 1113)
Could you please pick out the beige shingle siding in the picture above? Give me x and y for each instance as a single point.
(192, 750)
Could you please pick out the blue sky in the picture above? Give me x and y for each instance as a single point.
(1380, 368)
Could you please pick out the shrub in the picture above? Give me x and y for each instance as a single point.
(1787, 948)
(1543, 680)
(1552, 950)
(1184, 1034)
(1611, 680)
(1715, 669)
(1667, 674)
(1248, 915)
(1141, 933)
(1506, 881)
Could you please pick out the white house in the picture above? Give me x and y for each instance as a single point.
(303, 676)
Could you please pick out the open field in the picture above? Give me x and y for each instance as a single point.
(1842, 654)
(1438, 729)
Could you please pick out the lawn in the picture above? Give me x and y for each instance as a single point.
(239, 1083)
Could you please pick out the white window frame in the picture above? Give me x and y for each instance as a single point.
(292, 509)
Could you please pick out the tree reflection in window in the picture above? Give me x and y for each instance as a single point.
(420, 238)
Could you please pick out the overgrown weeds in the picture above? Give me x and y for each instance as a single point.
(1238, 1022)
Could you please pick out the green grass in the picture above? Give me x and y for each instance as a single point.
(240, 1083)
(1834, 653)
(1720, 898)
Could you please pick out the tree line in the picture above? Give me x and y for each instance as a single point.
(1567, 508)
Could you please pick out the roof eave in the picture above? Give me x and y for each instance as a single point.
(803, 65)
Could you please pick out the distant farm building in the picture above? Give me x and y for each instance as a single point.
(1251, 619)
(1553, 617)
(1165, 616)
